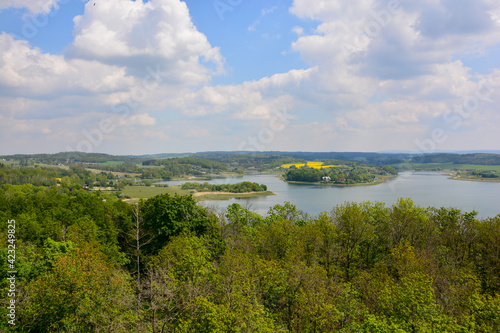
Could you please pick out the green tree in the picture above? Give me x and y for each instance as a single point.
(168, 216)
(354, 228)
(83, 292)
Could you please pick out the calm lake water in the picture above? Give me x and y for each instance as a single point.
(425, 188)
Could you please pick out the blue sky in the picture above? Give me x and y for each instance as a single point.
(134, 77)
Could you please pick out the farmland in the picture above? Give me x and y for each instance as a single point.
(314, 165)
(146, 192)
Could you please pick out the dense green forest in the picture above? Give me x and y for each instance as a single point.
(351, 174)
(76, 176)
(183, 166)
(89, 262)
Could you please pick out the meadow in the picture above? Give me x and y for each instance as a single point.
(146, 192)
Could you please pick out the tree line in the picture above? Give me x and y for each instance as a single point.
(69, 158)
(478, 159)
(76, 176)
(484, 174)
(232, 188)
(89, 262)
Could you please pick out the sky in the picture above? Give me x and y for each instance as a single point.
(168, 76)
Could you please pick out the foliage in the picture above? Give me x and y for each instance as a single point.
(81, 293)
(168, 216)
(362, 267)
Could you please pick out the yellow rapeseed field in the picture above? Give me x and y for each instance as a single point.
(314, 165)
(287, 166)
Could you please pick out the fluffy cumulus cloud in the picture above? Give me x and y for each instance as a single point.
(158, 32)
(250, 100)
(26, 71)
(127, 58)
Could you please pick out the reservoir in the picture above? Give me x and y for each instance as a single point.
(426, 189)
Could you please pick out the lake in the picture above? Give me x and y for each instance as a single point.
(425, 188)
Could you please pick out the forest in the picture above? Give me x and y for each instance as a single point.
(344, 174)
(232, 188)
(89, 262)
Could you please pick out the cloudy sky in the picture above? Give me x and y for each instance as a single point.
(138, 77)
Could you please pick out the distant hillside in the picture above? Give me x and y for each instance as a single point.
(268, 158)
(69, 157)
(460, 152)
(363, 157)
(159, 156)
(479, 159)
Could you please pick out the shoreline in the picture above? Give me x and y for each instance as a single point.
(453, 175)
(210, 196)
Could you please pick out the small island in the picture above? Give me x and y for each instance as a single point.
(206, 191)
(329, 173)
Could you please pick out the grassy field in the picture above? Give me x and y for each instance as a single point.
(145, 192)
(112, 163)
(445, 166)
(43, 165)
(130, 174)
(10, 163)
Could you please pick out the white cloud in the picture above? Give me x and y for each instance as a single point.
(33, 6)
(26, 71)
(139, 119)
(298, 30)
(136, 34)
(250, 100)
